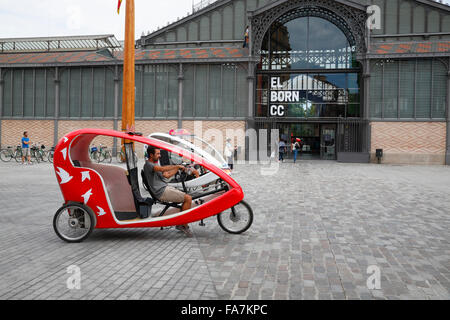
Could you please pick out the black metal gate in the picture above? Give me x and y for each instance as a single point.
(352, 136)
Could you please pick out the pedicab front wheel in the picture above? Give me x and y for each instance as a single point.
(237, 219)
(74, 222)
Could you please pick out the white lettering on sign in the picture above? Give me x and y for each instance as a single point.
(277, 110)
(284, 96)
(275, 83)
(277, 96)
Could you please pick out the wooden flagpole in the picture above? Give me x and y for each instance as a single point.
(128, 92)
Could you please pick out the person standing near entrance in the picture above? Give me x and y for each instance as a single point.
(26, 148)
(228, 153)
(282, 150)
(295, 148)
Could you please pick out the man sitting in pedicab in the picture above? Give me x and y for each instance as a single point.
(156, 176)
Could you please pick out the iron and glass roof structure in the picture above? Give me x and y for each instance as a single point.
(67, 43)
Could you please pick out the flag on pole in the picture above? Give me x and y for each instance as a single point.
(118, 6)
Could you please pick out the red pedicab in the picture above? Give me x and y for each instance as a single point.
(99, 196)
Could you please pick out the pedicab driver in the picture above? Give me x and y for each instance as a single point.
(156, 176)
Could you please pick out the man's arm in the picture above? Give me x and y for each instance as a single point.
(170, 173)
(168, 168)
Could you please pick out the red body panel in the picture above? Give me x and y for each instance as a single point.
(86, 185)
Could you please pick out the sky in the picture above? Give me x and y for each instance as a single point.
(49, 18)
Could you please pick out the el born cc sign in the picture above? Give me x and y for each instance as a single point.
(279, 96)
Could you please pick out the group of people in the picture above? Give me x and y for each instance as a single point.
(295, 148)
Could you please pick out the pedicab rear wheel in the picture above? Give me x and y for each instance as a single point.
(237, 219)
(74, 222)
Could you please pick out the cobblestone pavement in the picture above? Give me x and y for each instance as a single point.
(318, 225)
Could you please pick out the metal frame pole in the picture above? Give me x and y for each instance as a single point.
(180, 96)
(366, 117)
(447, 145)
(116, 106)
(1, 103)
(55, 128)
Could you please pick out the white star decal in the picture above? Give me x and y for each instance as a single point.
(65, 139)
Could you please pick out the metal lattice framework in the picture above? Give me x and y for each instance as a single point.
(349, 19)
(68, 43)
(331, 59)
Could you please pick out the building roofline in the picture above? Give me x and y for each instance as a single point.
(80, 37)
(436, 4)
(146, 56)
(220, 3)
(191, 16)
(277, 3)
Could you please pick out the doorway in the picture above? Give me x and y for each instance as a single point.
(319, 140)
(328, 142)
(309, 133)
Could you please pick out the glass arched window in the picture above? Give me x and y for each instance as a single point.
(308, 70)
(306, 43)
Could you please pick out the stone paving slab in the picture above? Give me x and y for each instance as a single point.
(318, 226)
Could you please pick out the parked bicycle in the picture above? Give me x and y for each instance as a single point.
(120, 157)
(94, 153)
(6, 155)
(104, 155)
(44, 153)
(39, 152)
(100, 154)
(18, 154)
(50, 154)
(35, 154)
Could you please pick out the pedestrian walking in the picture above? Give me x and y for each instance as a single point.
(281, 150)
(295, 149)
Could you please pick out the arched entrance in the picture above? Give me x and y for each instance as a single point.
(308, 81)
